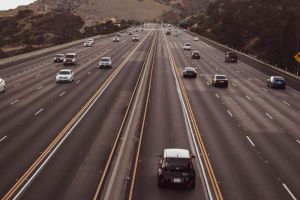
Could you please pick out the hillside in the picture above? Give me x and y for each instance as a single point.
(268, 29)
(92, 11)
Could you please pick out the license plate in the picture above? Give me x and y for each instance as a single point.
(177, 180)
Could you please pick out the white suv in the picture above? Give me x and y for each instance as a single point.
(2, 85)
(105, 62)
(65, 75)
(187, 46)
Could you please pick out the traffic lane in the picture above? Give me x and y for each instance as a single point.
(14, 158)
(50, 91)
(258, 124)
(93, 139)
(164, 128)
(229, 135)
(25, 77)
(292, 82)
(240, 171)
(269, 104)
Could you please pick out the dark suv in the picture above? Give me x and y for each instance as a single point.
(231, 57)
(176, 168)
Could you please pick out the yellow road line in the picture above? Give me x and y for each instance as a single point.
(143, 124)
(108, 163)
(42, 157)
(208, 165)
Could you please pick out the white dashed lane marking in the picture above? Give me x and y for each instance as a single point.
(3, 138)
(61, 94)
(77, 82)
(286, 103)
(269, 115)
(229, 113)
(248, 98)
(40, 87)
(38, 112)
(289, 191)
(251, 142)
(17, 84)
(14, 102)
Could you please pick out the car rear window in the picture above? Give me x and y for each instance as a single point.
(70, 56)
(221, 77)
(187, 44)
(177, 163)
(105, 59)
(65, 72)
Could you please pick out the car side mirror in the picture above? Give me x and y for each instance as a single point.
(193, 156)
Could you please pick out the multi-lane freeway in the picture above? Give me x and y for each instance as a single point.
(98, 137)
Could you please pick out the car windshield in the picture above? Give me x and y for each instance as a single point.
(59, 55)
(65, 72)
(278, 79)
(177, 163)
(187, 44)
(231, 54)
(70, 56)
(221, 77)
(105, 60)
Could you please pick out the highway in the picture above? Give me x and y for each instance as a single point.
(61, 141)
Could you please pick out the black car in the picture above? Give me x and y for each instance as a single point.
(195, 55)
(59, 58)
(231, 57)
(175, 168)
(276, 82)
(220, 80)
(168, 33)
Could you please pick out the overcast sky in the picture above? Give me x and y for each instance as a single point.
(8, 4)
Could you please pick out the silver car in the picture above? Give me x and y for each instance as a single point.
(189, 72)
(2, 85)
(105, 62)
(65, 75)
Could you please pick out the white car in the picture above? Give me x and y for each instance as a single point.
(90, 40)
(2, 85)
(116, 39)
(187, 46)
(65, 75)
(189, 72)
(135, 38)
(105, 62)
(196, 39)
(87, 44)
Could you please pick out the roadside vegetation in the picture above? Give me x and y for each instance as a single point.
(27, 31)
(269, 29)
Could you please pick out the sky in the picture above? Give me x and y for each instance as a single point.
(10, 4)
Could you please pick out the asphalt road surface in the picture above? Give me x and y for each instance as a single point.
(250, 132)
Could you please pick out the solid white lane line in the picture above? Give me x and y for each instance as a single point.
(217, 95)
(40, 87)
(289, 191)
(61, 94)
(17, 84)
(298, 141)
(248, 97)
(77, 82)
(286, 103)
(38, 112)
(265, 89)
(251, 142)
(229, 113)
(269, 115)
(3, 138)
(14, 102)
(38, 75)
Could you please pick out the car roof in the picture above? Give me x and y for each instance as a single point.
(190, 68)
(65, 70)
(71, 54)
(277, 77)
(1, 79)
(176, 153)
(105, 57)
(220, 75)
(187, 43)
(195, 51)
